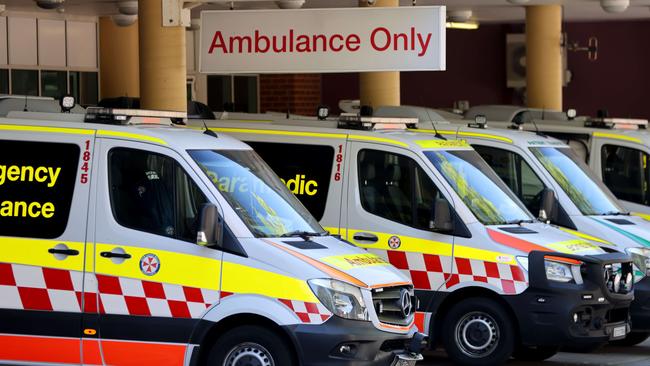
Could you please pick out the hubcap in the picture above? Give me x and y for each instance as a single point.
(249, 354)
(477, 334)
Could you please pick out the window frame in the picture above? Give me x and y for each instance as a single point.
(174, 197)
(645, 175)
(231, 80)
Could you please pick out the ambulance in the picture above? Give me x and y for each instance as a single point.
(535, 166)
(129, 240)
(616, 149)
(490, 280)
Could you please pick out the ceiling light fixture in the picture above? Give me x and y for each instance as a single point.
(614, 6)
(518, 2)
(290, 4)
(459, 15)
(128, 7)
(49, 4)
(462, 25)
(123, 20)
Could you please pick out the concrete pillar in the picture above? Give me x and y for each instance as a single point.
(544, 56)
(118, 57)
(380, 88)
(162, 60)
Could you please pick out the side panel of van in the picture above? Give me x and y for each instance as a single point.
(390, 207)
(44, 187)
(153, 282)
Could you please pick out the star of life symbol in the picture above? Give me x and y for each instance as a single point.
(394, 242)
(149, 264)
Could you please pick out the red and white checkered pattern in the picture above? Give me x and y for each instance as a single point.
(127, 296)
(433, 272)
(308, 312)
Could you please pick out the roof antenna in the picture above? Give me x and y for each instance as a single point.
(25, 107)
(208, 131)
(438, 135)
(537, 132)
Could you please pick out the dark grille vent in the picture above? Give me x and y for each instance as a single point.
(620, 221)
(518, 230)
(387, 303)
(304, 245)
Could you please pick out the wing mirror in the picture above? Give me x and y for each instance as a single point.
(442, 221)
(210, 233)
(547, 209)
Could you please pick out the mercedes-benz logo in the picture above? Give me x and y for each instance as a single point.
(406, 304)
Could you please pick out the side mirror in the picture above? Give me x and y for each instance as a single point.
(442, 221)
(547, 206)
(210, 233)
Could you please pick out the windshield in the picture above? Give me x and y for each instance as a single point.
(255, 193)
(479, 187)
(587, 193)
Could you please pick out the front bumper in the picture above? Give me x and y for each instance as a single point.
(320, 345)
(547, 310)
(640, 308)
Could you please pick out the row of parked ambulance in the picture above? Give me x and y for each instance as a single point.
(136, 236)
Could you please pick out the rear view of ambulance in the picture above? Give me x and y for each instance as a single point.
(123, 244)
(485, 272)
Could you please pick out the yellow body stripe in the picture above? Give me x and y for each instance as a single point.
(641, 215)
(419, 245)
(129, 135)
(617, 136)
(467, 134)
(243, 279)
(175, 268)
(33, 252)
(584, 236)
(442, 144)
(308, 134)
(72, 131)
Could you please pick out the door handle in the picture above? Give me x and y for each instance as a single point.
(366, 237)
(115, 255)
(63, 251)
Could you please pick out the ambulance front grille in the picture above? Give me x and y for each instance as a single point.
(392, 306)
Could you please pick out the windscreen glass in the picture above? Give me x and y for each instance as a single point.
(577, 181)
(256, 194)
(479, 187)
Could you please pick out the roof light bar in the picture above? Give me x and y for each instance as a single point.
(617, 123)
(356, 122)
(132, 116)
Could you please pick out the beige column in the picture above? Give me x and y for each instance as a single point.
(118, 57)
(380, 88)
(162, 60)
(544, 56)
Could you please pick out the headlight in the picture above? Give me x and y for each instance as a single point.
(641, 259)
(558, 272)
(341, 298)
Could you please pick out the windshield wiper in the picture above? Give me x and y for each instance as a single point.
(519, 222)
(302, 234)
(615, 213)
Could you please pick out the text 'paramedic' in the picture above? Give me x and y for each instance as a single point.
(380, 39)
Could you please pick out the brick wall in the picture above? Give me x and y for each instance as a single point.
(301, 93)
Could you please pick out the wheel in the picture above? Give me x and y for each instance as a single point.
(478, 331)
(632, 339)
(540, 353)
(250, 345)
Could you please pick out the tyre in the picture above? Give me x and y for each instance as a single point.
(250, 345)
(632, 339)
(478, 331)
(531, 354)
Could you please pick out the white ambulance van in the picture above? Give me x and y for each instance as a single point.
(616, 149)
(491, 281)
(128, 240)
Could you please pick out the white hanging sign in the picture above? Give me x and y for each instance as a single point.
(323, 40)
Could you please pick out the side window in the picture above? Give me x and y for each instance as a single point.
(305, 169)
(396, 188)
(626, 173)
(516, 173)
(151, 192)
(37, 181)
